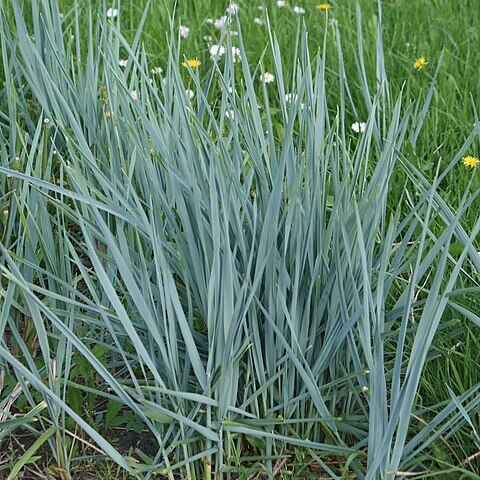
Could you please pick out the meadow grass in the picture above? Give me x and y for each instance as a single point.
(410, 30)
(238, 276)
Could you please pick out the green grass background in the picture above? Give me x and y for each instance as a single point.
(411, 29)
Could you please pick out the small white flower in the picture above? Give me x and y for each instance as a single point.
(267, 78)
(298, 10)
(112, 13)
(232, 9)
(230, 114)
(235, 54)
(233, 33)
(231, 90)
(134, 95)
(157, 70)
(219, 23)
(280, 3)
(122, 63)
(359, 127)
(217, 51)
(209, 20)
(189, 93)
(207, 38)
(184, 31)
(261, 8)
(258, 21)
(293, 98)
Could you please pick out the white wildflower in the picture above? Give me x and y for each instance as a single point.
(258, 21)
(359, 127)
(207, 38)
(184, 31)
(217, 51)
(230, 114)
(267, 77)
(232, 9)
(122, 63)
(293, 98)
(112, 12)
(134, 95)
(280, 3)
(235, 54)
(298, 10)
(189, 93)
(219, 23)
(157, 70)
(261, 8)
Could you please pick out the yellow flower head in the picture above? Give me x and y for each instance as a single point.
(108, 114)
(323, 7)
(192, 63)
(419, 63)
(470, 162)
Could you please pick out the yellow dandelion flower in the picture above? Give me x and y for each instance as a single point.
(470, 162)
(323, 7)
(419, 63)
(192, 63)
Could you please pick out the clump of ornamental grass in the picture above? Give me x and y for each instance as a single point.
(231, 249)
